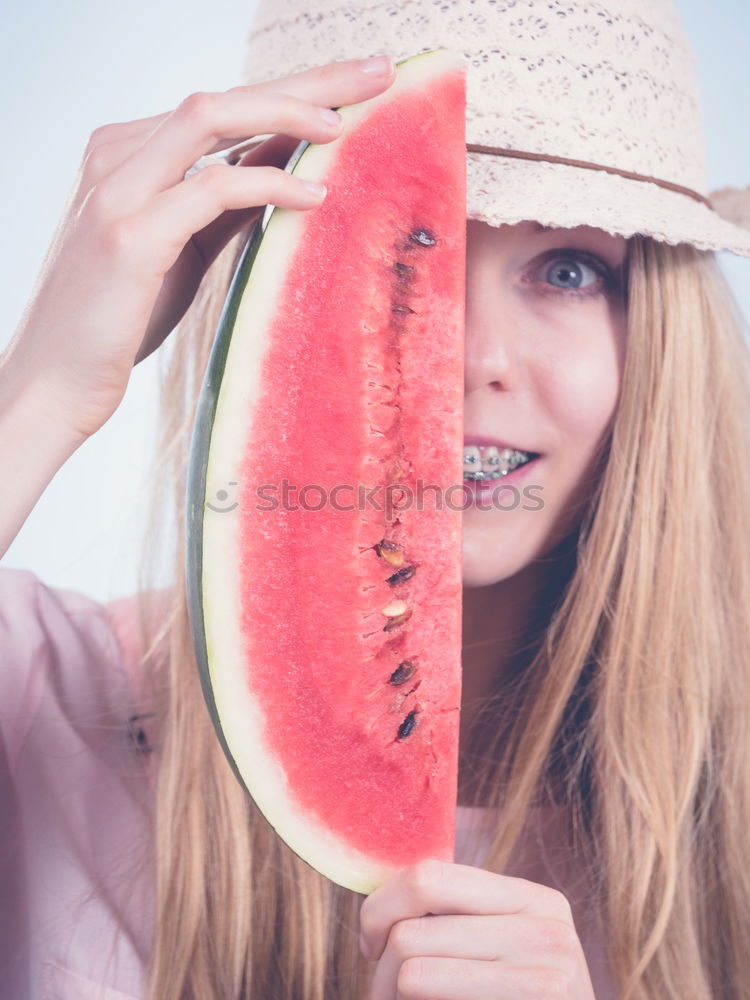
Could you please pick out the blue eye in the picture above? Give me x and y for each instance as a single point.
(569, 272)
(572, 274)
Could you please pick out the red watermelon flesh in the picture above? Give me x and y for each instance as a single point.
(331, 607)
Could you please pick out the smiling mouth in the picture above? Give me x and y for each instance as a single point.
(482, 462)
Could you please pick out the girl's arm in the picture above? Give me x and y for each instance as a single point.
(132, 247)
(34, 443)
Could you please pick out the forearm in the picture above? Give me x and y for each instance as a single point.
(34, 444)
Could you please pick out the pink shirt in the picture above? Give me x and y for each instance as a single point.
(75, 924)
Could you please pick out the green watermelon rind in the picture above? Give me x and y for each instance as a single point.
(204, 420)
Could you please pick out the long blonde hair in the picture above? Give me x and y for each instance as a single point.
(635, 694)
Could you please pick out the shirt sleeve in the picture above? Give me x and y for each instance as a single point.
(74, 806)
(60, 648)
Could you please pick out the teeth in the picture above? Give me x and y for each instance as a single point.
(490, 460)
(487, 462)
(472, 462)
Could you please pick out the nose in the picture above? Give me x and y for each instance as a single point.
(491, 345)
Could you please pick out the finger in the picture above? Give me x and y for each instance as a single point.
(514, 940)
(321, 86)
(165, 156)
(121, 139)
(439, 887)
(211, 240)
(110, 145)
(107, 149)
(162, 232)
(295, 84)
(293, 107)
(118, 131)
(462, 979)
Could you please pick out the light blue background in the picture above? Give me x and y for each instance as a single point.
(71, 67)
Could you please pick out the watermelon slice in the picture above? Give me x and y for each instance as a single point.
(325, 492)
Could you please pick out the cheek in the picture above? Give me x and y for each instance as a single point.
(582, 382)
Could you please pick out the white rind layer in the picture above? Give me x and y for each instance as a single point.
(241, 719)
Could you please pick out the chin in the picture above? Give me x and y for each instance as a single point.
(481, 567)
(491, 556)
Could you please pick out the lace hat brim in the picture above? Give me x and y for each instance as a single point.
(559, 195)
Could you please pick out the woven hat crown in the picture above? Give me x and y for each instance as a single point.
(611, 84)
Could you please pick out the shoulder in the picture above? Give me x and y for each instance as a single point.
(36, 618)
(64, 654)
(43, 629)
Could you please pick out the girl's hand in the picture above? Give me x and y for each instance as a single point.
(136, 237)
(441, 931)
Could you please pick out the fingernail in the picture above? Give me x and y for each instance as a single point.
(376, 65)
(330, 117)
(314, 188)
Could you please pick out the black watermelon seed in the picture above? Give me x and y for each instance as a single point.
(403, 269)
(401, 575)
(402, 309)
(423, 238)
(407, 726)
(402, 673)
(386, 545)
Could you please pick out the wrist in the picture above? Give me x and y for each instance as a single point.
(34, 444)
(29, 414)
(31, 425)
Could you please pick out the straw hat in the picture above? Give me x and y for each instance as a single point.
(578, 113)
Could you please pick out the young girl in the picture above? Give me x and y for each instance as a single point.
(604, 795)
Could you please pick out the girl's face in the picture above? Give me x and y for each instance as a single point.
(545, 341)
